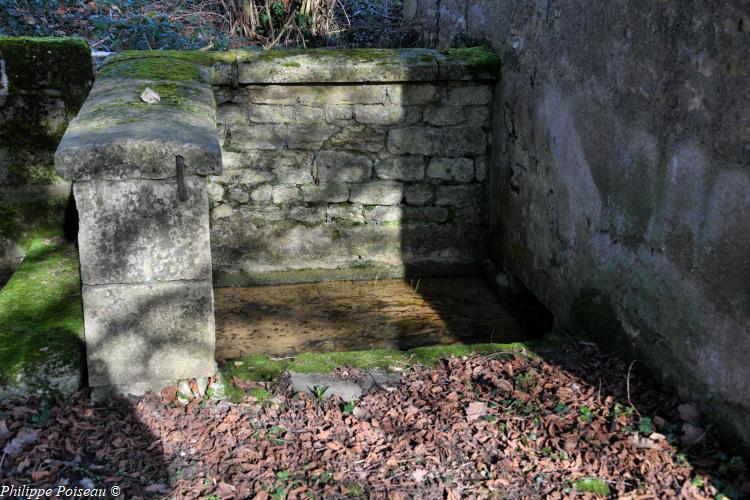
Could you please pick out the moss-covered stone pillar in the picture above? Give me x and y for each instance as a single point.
(144, 245)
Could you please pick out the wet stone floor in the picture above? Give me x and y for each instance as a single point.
(284, 320)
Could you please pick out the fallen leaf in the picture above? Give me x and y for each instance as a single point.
(476, 410)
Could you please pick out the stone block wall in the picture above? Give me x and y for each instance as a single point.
(43, 83)
(338, 181)
(619, 186)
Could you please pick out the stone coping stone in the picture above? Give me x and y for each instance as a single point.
(117, 136)
(294, 66)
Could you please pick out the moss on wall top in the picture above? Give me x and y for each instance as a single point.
(304, 65)
(44, 83)
(479, 58)
(34, 63)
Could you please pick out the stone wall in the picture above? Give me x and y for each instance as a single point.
(358, 180)
(619, 187)
(43, 82)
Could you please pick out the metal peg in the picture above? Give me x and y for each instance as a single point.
(181, 189)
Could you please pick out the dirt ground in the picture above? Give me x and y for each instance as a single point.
(285, 320)
(506, 425)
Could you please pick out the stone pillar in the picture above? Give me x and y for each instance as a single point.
(145, 252)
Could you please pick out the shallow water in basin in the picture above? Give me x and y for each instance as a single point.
(284, 320)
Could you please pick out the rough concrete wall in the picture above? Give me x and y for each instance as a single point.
(349, 181)
(43, 82)
(621, 169)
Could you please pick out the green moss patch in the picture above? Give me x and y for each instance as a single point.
(268, 369)
(25, 222)
(155, 68)
(41, 316)
(479, 58)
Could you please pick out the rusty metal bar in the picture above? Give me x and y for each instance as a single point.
(181, 188)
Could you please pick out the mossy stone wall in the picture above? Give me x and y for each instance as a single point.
(43, 83)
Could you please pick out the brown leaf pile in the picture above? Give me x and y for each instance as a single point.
(500, 425)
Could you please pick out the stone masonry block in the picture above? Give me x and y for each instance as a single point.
(464, 140)
(377, 193)
(436, 215)
(459, 196)
(263, 194)
(308, 214)
(419, 194)
(480, 168)
(348, 213)
(334, 192)
(279, 136)
(478, 116)
(379, 114)
(317, 95)
(415, 93)
(380, 214)
(139, 231)
(286, 194)
(444, 115)
(149, 333)
(400, 168)
(469, 95)
(416, 140)
(342, 166)
(451, 169)
(360, 138)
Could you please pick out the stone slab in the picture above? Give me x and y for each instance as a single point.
(138, 231)
(148, 333)
(117, 136)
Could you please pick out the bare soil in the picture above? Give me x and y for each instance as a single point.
(358, 315)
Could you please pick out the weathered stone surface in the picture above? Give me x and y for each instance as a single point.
(379, 214)
(360, 138)
(416, 140)
(426, 214)
(116, 136)
(246, 176)
(444, 115)
(480, 168)
(279, 136)
(286, 194)
(346, 213)
(451, 169)
(603, 193)
(312, 383)
(416, 93)
(377, 193)
(139, 231)
(221, 212)
(358, 65)
(334, 192)
(263, 194)
(148, 333)
(264, 113)
(379, 114)
(239, 195)
(458, 196)
(341, 166)
(308, 214)
(400, 168)
(419, 194)
(462, 141)
(338, 113)
(469, 95)
(478, 115)
(353, 176)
